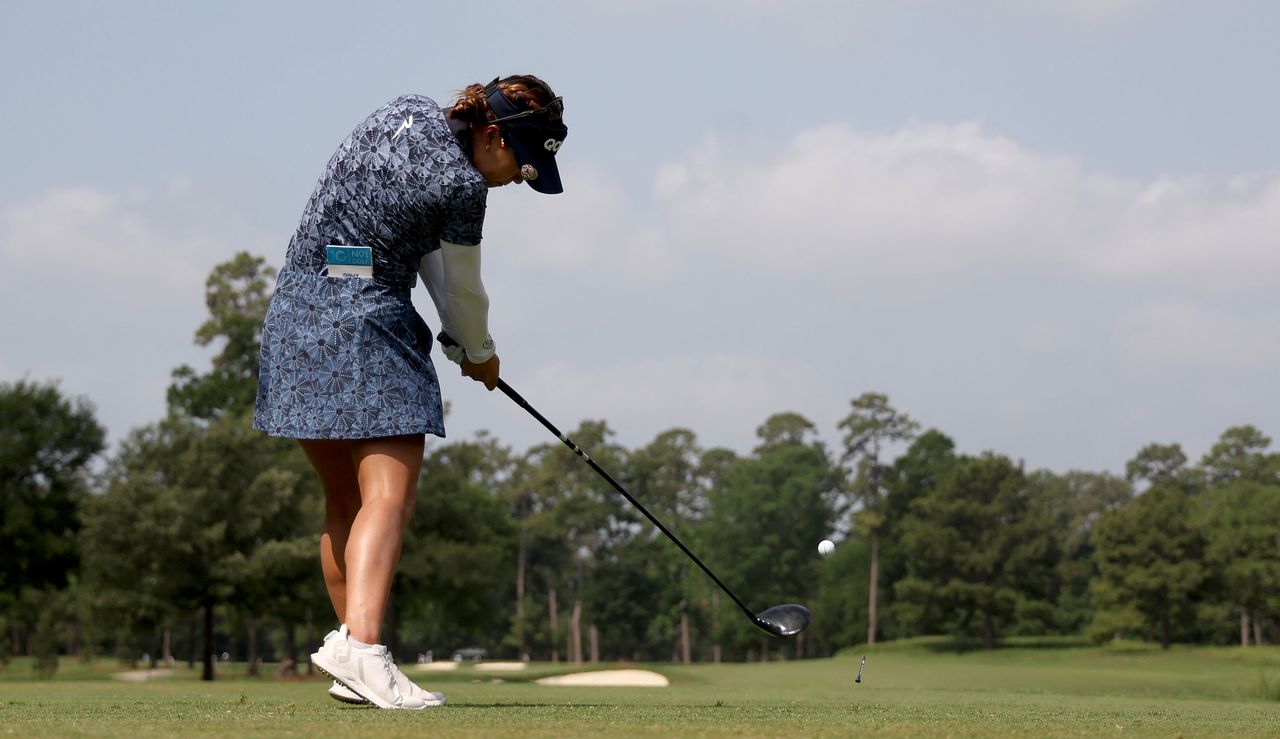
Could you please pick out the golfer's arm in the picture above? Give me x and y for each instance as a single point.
(431, 270)
(452, 277)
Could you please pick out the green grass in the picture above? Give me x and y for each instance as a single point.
(916, 688)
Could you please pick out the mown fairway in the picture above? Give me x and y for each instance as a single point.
(907, 690)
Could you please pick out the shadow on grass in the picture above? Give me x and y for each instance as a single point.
(520, 704)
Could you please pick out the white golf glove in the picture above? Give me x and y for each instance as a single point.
(453, 350)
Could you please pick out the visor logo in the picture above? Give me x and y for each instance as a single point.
(552, 145)
(528, 172)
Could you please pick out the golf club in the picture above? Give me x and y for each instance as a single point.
(785, 620)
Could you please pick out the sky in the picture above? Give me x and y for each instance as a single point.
(1049, 230)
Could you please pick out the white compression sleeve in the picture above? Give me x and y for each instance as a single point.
(431, 270)
(452, 276)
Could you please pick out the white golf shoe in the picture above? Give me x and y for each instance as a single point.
(368, 672)
(339, 692)
(409, 687)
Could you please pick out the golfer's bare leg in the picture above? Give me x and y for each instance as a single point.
(333, 463)
(387, 470)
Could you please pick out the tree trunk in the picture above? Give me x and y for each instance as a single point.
(208, 641)
(1164, 631)
(575, 633)
(16, 636)
(1257, 632)
(686, 652)
(874, 588)
(715, 625)
(166, 647)
(764, 649)
(1244, 627)
(521, 557)
(311, 639)
(192, 626)
(988, 630)
(800, 645)
(291, 647)
(554, 614)
(593, 635)
(73, 639)
(251, 634)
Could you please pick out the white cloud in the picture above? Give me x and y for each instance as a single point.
(143, 247)
(597, 228)
(1219, 237)
(935, 203)
(105, 290)
(1008, 296)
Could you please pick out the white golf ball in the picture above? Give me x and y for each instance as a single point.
(826, 547)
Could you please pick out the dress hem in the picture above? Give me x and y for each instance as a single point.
(349, 436)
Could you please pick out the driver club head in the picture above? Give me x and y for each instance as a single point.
(785, 620)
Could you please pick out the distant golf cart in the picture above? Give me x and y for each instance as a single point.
(470, 654)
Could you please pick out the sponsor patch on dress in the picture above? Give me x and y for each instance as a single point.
(350, 261)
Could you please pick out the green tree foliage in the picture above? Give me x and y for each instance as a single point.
(237, 294)
(567, 511)
(870, 425)
(1150, 567)
(201, 519)
(632, 597)
(458, 557)
(979, 552)
(46, 443)
(841, 608)
(1240, 454)
(767, 512)
(1160, 464)
(186, 508)
(914, 475)
(200, 509)
(1241, 524)
(664, 477)
(1075, 501)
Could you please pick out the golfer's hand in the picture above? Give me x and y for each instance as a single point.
(486, 372)
(452, 349)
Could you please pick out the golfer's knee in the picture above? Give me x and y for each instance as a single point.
(385, 502)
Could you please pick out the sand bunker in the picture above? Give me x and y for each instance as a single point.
(446, 666)
(609, 679)
(501, 666)
(140, 676)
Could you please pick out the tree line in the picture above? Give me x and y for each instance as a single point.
(198, 535)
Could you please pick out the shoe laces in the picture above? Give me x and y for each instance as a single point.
(389, 663)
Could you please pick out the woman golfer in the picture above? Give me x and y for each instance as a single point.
(346, 366)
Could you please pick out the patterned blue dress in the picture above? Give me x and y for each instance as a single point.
(347, 357)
